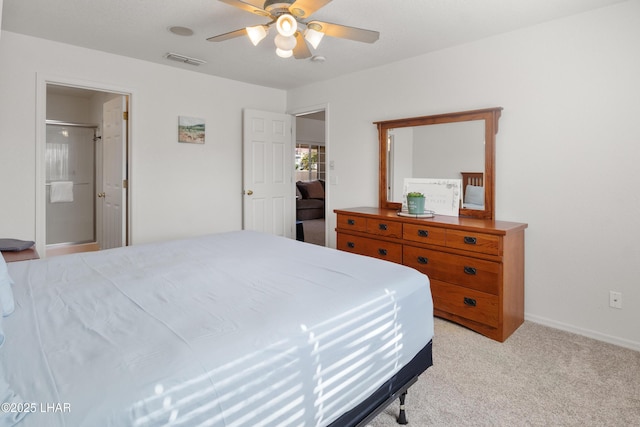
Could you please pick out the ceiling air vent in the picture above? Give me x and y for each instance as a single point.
(185, 59)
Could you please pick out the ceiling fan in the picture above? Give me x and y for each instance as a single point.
(294, 31)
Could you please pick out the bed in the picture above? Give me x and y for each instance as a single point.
(473, 190)
(231, 329)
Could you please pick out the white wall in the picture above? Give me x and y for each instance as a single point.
(567, 152)
(444, 150)
(178, 190)
(309, 131)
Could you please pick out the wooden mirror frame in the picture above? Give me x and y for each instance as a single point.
(490, 117)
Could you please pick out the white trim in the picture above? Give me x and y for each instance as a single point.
(633, 345)
(42, 80)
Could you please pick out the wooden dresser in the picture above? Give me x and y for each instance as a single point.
(476, 266)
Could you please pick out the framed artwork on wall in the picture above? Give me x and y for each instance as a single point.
(191, 130)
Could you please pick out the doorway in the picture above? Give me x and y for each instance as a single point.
(75, 167)
(311, 176)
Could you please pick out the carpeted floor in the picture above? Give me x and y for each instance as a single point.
(538, 377)
(314, 231)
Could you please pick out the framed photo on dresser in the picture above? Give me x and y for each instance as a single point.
(442, 196)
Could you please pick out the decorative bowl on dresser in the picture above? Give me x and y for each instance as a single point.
(476, 266)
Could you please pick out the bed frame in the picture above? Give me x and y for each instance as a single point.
(395, 388)
(471, 178)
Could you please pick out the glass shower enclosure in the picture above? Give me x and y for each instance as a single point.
(70, 181)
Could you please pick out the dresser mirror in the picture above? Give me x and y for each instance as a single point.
(458, 145)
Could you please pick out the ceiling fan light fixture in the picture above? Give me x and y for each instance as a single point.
(286, 25)
(284, 53)
(257, 33)
(313, 37)
(260, 12)
(285, 43)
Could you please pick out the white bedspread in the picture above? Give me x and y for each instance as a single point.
(232, 329)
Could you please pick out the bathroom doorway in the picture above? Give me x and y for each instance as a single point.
(75, 166)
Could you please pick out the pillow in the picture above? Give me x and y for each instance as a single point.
(6, 297)
(474, 194)
(6, 294)
(311, 190)
(298, 193)
(15, 245)
(9, 397)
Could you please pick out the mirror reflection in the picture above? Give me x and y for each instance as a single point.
(446, 150)
(458, 145)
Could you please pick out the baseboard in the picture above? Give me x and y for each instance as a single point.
(633, 345)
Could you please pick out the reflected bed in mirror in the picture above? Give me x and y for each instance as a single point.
(473, 190)
(441, 146)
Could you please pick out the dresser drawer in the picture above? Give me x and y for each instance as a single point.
(384, 228)
(468, 303)
(474, 242)
(481, 275)
(348, 222)
(424, 234)
(370, 247)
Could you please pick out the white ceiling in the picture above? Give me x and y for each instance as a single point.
(139, 29)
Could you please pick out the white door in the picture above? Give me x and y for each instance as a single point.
(113, 193)
(267, 173)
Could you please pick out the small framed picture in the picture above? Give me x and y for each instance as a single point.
(191, 130)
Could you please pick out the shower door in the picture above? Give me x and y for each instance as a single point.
(70, 181)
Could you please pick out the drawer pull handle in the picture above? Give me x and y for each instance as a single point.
(351, 221)
(470, 302)
(469, 270)
(423, 260)
(423, 233)
(382, 227)
(382, 251)
(470, 240)
(351, 245)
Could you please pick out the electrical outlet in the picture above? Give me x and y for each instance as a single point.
(615, 299)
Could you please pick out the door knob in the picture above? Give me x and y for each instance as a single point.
(249, 192)
(101, 194)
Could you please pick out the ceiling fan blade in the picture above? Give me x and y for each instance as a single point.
(247, 7)
(229, 35)
(344, 32)
(301, 51)
(305, 8)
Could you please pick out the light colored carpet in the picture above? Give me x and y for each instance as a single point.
(538, 377)
(314, 231)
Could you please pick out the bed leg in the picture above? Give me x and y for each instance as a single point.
(402, 417)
